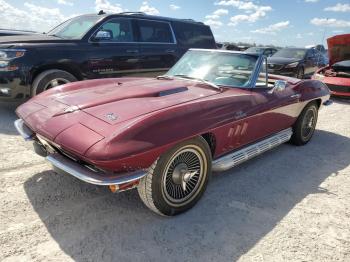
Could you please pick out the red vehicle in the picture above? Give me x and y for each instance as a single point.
(213, 110)
(337, 75)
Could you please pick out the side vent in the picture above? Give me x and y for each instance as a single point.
(173, 91)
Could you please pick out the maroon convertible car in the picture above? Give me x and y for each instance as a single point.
(213, 110)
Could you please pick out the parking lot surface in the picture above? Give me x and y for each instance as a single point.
(290, 204)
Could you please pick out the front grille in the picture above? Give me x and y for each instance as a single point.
(275, 66)
(338, 88)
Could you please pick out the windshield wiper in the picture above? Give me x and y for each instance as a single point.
(200, 80)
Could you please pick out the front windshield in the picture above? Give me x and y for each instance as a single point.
(291, 53)
(219, 68)
(254, 50)
(74, 28)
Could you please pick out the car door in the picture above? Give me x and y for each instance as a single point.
(115, 56)
(276, 109)
(158, 49)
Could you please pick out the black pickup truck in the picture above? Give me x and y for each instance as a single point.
(96, 46)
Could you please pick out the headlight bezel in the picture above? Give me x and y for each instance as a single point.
(8, 54)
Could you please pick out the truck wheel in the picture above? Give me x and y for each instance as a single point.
(49, 79)
(177, 180)
(305, 125)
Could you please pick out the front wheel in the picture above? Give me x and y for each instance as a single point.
(177, 180)
(305, 125)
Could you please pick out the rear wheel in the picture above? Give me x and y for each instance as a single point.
(49, 79)
(305, 125)
(177, 180)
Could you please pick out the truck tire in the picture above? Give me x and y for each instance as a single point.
(49, 79)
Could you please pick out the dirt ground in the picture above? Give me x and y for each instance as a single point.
(290, 204)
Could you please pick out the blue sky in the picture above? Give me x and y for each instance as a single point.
(279, 22)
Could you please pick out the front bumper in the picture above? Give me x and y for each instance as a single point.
(13, 86)
(65, 165)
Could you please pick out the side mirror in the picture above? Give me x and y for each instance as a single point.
(103, 35)
(279, 85)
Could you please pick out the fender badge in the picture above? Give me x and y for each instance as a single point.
(111, 116)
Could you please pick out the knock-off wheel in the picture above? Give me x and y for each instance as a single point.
(178, 178)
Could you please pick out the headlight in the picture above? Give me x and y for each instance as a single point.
(9, 54)
(292, 65)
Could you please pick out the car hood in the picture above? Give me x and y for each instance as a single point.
(338, 48)
(30, 39)
(282, 60)
(95, 106)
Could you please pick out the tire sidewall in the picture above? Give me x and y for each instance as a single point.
(157, 179)
(297, 137)
(43, 78)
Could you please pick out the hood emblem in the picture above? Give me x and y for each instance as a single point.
(71, 109)
(111, 116)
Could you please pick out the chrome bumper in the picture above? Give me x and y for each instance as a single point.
(23, 130)
(81, 172)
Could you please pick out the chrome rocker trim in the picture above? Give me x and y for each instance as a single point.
(23, 130)
(233, 159)
(83, 173)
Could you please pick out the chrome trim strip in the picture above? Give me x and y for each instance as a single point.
(233, 159)
(23, 130)
(68, 166)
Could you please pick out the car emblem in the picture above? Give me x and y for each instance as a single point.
(111, 116)
(71, 109)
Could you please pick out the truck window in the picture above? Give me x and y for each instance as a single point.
(155, 32)
(194, 35)
(120, 30)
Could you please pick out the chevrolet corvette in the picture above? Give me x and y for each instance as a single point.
(213, 110)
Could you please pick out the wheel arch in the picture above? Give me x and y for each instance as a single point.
(72, 69)
(211, 140)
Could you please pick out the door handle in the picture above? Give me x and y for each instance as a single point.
(133, 51)
(170, 51)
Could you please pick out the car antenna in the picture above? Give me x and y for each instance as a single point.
(101, 12)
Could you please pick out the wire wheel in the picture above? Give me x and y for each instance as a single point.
(184, 175)
(308, 124)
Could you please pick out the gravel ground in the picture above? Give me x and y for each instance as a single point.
(290, 204)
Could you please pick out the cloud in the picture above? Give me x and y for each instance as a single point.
(106, 6)
(174, 7)
(272, 29)
(253, 12)
(216, 14)
(338, 8)
(299, 36)
(331, 22)
(150, 10)
(213, 19)
(311, 1)
(65, 2)
(213, 23)
(31, 17)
